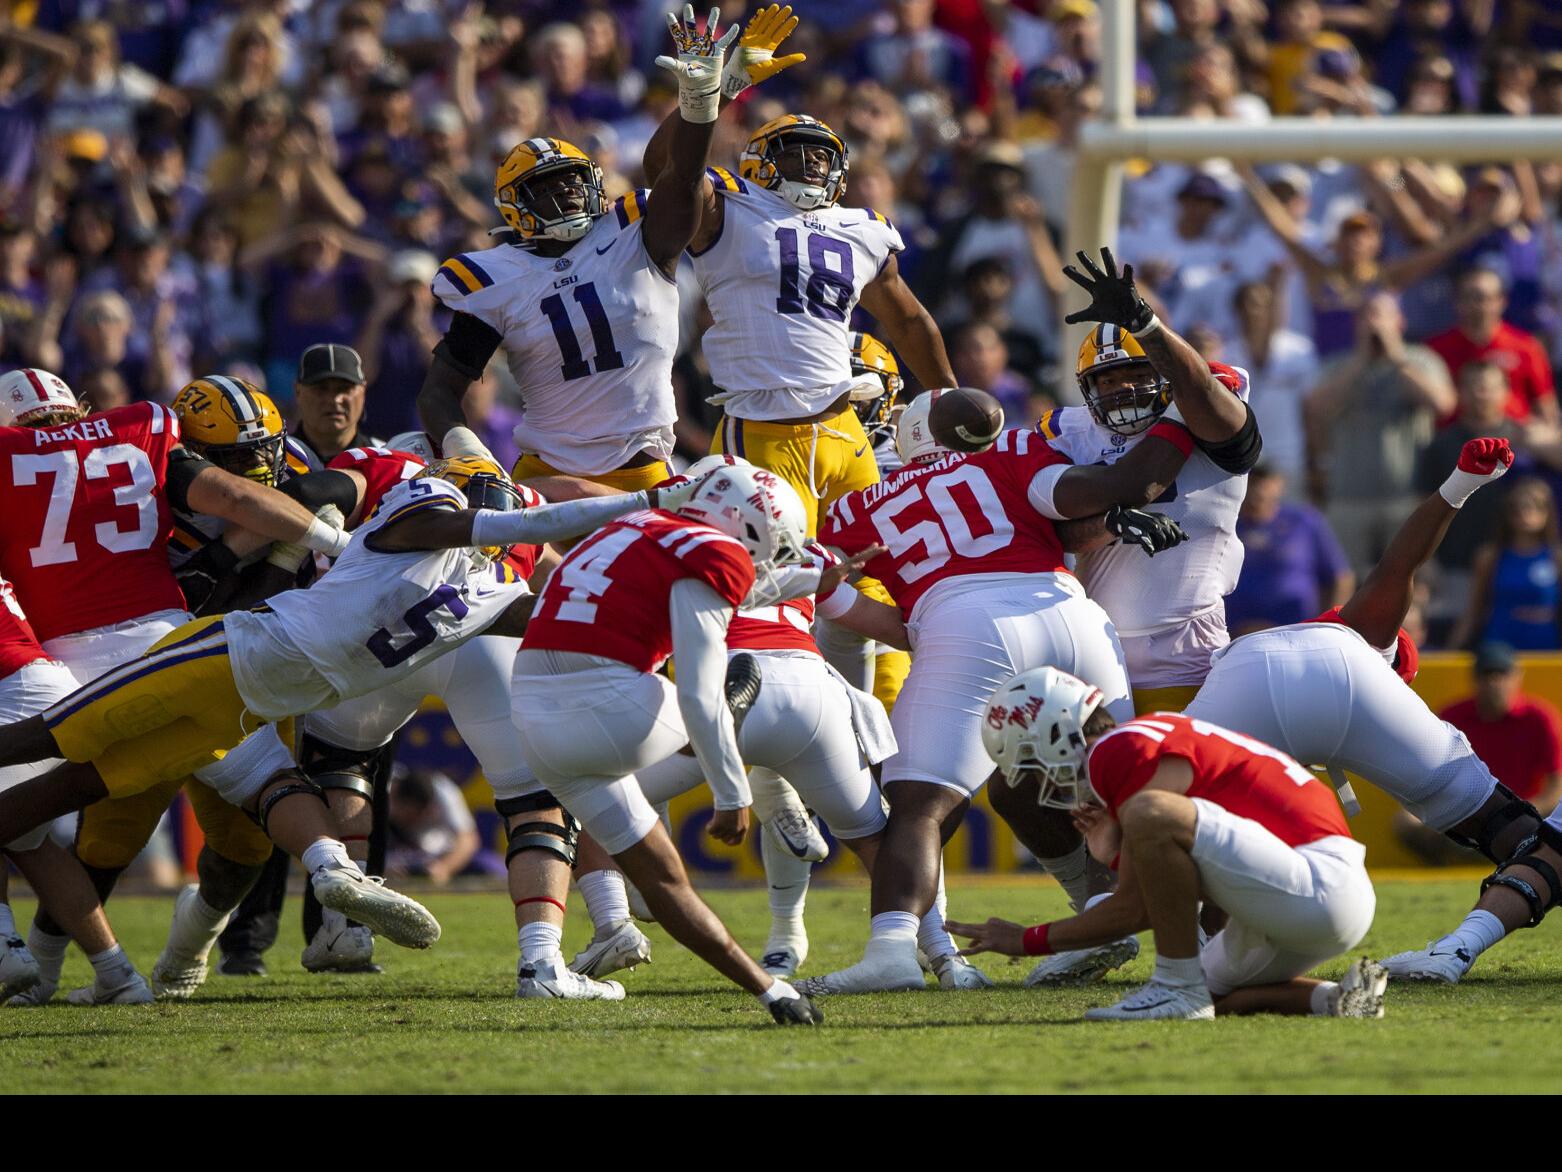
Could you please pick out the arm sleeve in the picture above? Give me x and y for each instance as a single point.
(1240, 453)
(315, 490)
(183, 467)
(699, 626)
(468, 344)
(552, 522)
(1041, 488)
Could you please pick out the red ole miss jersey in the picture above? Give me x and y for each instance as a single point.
(18, 644)
(786, 627)
(957, 515)
(610, 595)
(84, 533)
(1404, 657)
(1235, 772)
(384, 468)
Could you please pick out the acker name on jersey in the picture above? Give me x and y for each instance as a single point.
(610, 595)
(373, 619)
(781, 284)
(960, 514)
(1237, 773)
(590, 337)
(84, 531)
(1143, 596)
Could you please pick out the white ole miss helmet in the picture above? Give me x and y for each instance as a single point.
(1036, 721)
(914, 437)
(418, 443)
(712, 462)
(758, 508)
(26, 396)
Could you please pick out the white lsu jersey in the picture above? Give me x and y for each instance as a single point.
(1143, 595)
(781, 285)
(373, 619)
(590, 338)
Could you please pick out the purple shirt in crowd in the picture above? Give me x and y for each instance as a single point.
(1290, 561)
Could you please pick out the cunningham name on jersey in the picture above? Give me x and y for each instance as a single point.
(590, 338)
(782, 284)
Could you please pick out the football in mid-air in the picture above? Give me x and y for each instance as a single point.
(964, 419)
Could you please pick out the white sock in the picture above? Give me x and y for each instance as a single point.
(1183, 971)
(1325, 996)
(1069, 870)
(1479, 932)
(7, 921)
(893, 929)
(194, 932)
(540, 941)
(325, 852)
(932, 937)
(607, 900)
(47, 948)
(111, 965)
(787, 878)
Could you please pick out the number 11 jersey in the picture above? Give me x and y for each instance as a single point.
(781, 285)
(590, 338)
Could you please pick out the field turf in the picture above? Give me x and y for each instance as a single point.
(446, 1020)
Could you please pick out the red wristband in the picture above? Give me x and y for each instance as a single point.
(1036, 941)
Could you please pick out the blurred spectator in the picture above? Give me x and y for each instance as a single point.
(608, 60)
(988, 289)
(31, 63)
(1049, 166)
(490, 412)
(22, 295)
(102, 390)
(1366, 423)
(398, 341)
(103, 93)
(980, 359)
(1283, 367)
(1514, 594)
(1423, 27)
(1480, 333)
(1169, 52)
(330, 394)
(560, 59)
(432, 831)
(1293, 568)
(915, 55)
(175, 197)
(158, 298)
(228, 297)
(253, 60)
(1518, 736)
(99, 339)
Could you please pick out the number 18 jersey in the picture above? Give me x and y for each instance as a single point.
(85, 527)
(590, 337)
(781, 285)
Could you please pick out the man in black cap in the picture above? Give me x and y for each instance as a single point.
(330, 392)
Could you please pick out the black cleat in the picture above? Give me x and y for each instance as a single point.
(797, 1010)
(242, 964)
(742, 686)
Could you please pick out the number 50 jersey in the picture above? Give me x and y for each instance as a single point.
(781, 285)
(590, 337)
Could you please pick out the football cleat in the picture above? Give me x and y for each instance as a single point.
(797, 1010)
(1448, 965)
(365, 898)
(19, 972)
(1361, 990)
(131, 990)
(241, 964)
(782, 960)
(795, 833)
(349, 949)
(552, 978)
(179, 973)
(879, 973)
(1157, 1002)
(742, 687)
(956, 972)
(1082, 966)
(618, 946)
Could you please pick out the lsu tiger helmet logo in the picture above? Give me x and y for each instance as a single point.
(548, 189)
(792, 144)
(233, 424)
(485, 486)
(876, 383)
(1129, 407)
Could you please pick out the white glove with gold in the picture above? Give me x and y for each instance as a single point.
(698, 64)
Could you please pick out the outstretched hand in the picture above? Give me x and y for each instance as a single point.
(995, 935)
(1486, 457)
(1114, 298)
(754, 60)
(1151, 532)
(832, 576)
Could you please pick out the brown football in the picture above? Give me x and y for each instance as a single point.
(964, 419)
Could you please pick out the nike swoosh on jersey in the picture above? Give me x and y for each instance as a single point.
(609, 244)
(859, 451)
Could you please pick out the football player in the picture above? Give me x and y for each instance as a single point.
(1186, 809)
(1145, 388)
(583, 297)
(975, 564)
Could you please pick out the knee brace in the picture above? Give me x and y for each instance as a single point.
(1538, 907)
(1514, 809)
(331, 767)
(284, 785)
(563, 841)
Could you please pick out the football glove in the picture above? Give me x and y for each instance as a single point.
(1151, 532)
(698, 64)
(754, 60)
(1481, 461)
(797, 1010)
(1113, 296)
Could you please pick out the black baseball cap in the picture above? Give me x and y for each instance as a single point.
(329, 360)
(1493, 656)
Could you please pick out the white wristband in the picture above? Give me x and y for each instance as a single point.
(1461, 485)
(1150, 327)
(326, 539)
(287, 556)
(700, 107)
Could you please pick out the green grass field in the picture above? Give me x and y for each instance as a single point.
(445, 1020)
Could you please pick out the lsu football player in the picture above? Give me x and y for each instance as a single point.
(583, 297)
(1145, 387)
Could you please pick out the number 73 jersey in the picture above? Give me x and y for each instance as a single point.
(85, 527)
(590, 338)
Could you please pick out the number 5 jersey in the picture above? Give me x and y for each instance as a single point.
(590, 337)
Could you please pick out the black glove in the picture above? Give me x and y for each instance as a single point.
(1151, 532)
(1113, 297)
(797, 1010)
(199, 576)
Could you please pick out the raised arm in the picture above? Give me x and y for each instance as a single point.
(1283, 225)
(908, 325)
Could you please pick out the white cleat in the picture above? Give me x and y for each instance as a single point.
(1361, 990)
(872, 974)
(19, 972)
(783, 959)
(1448, 965)
(794, 832)
(1082, 966)
(177, 974)
(955, 972)
(1157, 1002)
(349, 949)
(365, 898)
(552, 978)
(133, 990)
(620, 946)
